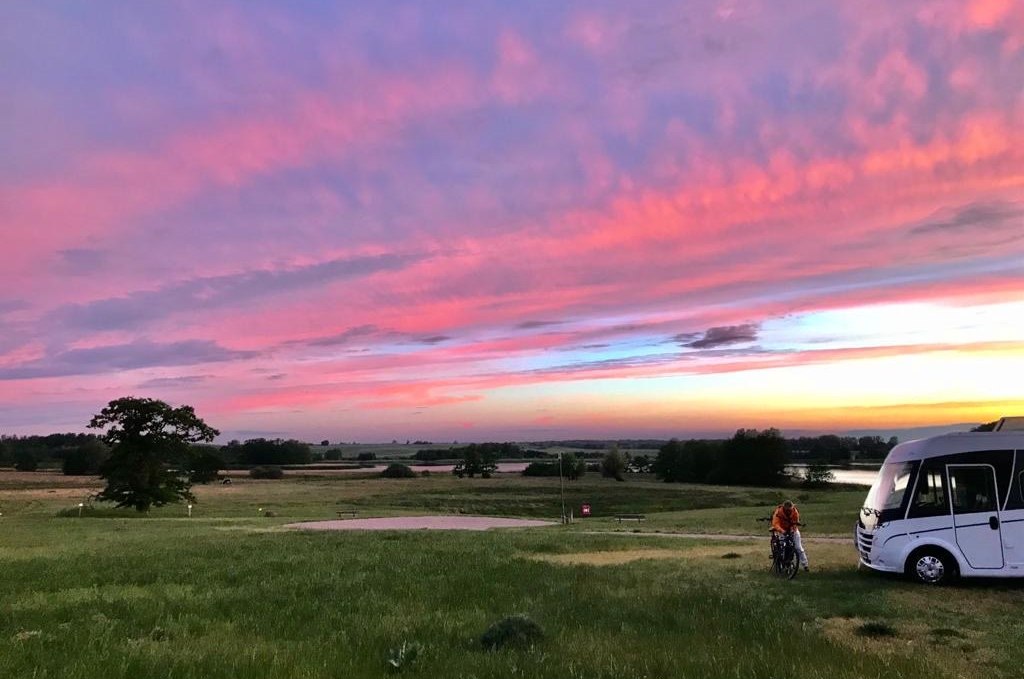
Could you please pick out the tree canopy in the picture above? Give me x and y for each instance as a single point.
(477, 459)
(149, 451)
(750, 457)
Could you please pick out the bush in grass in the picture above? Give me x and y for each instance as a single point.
(266, 472)
(398, 470)
(515, 631)
(366, 457)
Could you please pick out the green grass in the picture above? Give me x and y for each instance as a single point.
(231, 594)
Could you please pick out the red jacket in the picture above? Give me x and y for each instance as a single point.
(783, 521)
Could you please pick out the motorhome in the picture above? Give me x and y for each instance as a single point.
(948, 506)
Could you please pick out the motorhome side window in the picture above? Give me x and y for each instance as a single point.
(930, 497)
(973, 489)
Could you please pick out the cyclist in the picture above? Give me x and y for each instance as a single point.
(786, 519)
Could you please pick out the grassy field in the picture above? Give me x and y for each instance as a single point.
(232, 593)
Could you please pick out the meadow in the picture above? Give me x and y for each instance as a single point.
(232, 592)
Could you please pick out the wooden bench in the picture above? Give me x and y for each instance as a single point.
(347, 513)
(630, 517)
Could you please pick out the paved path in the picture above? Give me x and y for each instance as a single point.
(717, 536)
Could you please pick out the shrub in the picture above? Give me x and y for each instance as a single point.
(398, 470)
(366, 457)
(332, 454)
(614, 464)
(266, 472)
(515, 631)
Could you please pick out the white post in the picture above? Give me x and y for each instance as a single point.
(190, 511)
(81, 505)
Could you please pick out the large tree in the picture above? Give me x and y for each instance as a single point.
(149, 449)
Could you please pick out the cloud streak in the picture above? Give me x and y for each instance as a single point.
(118, 357)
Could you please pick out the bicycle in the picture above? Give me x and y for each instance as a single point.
(784, 560)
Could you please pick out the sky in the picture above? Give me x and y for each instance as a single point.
(362, 221)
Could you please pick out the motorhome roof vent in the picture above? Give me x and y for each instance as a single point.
(1010, 424)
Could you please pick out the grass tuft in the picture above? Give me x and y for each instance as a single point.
(404, 656)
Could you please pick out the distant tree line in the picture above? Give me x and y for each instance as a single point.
(600, 445)
(834, 449)
(74, 453)
(497, 450)
(261, 451)
(749, 457)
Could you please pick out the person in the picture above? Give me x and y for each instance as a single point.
(786, 519)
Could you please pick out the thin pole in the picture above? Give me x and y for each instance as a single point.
(561, 485)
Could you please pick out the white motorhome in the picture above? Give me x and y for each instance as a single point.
(948, 506)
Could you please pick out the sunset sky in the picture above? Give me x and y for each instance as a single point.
(513, 221)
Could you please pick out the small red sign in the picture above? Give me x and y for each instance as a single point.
(585, 510)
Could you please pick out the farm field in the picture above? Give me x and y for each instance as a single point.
(232, 592)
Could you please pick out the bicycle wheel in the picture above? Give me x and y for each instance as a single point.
(790, 565)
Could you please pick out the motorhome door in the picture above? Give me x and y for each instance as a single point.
(976, 514)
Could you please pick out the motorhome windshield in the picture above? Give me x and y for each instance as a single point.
(888, 491)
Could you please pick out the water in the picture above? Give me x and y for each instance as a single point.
(860, 477)
(508, 467)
